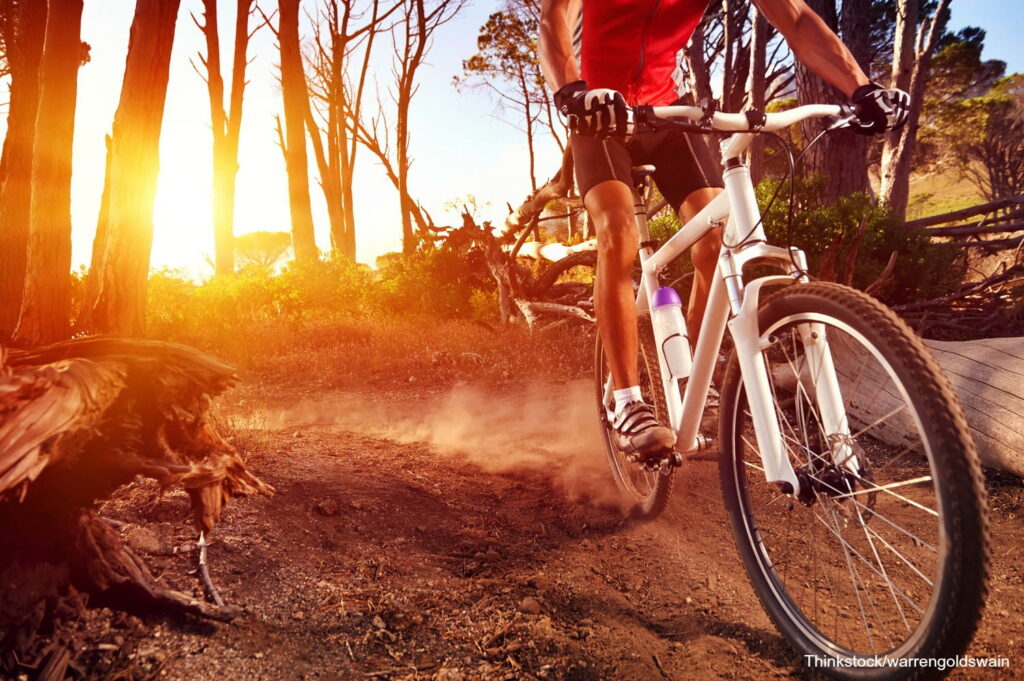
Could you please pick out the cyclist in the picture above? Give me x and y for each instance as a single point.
(627, 57)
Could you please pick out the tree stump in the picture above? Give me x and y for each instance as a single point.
(77, 420)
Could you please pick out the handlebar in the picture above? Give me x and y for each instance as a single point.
(739, 122)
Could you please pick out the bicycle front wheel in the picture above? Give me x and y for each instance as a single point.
(883, 555)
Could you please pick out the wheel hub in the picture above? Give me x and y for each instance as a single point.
(823, 481)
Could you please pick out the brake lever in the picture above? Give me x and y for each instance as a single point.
(847, 115)
(639, 119)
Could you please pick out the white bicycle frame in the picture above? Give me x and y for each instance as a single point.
(734, 303)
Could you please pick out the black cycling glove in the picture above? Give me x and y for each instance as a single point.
(596, 113)
(879, 109)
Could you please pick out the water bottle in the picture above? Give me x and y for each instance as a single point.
(670, 331)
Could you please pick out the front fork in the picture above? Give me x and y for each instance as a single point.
(744, 301)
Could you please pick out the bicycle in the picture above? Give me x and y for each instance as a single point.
(848, 473)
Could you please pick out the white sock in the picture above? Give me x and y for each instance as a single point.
(627, 395)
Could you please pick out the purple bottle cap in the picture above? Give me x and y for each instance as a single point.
(666, 295)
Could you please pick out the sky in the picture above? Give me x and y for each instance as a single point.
(459, 145)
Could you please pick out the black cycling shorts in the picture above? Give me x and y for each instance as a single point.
(684, 163)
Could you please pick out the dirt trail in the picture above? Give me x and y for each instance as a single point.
(469, 533)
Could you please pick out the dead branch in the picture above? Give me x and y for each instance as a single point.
(963, 214)
(556, 188)
(966, 291)
(531, 311)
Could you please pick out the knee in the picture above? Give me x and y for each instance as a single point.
(617, 237)
(705, 252)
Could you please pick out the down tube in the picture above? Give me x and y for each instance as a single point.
(709, 340)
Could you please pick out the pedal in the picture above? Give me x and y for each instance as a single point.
(662, 463)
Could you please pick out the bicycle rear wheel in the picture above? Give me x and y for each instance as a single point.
(884, 556)
(645, 492)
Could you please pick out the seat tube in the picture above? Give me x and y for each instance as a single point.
(648, 280)
(648, 286)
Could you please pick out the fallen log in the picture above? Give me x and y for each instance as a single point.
(986, 376)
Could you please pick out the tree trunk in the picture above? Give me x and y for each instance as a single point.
(23, 56)
(293, 89)
(895, 189)
(756, 86)
(46, 305)
(226, 126)
(697, 72)
(903, 53)
(737, 60)
(346, 245)
(840, 157)
(402, 163)
(855, 27)
(329, 180)
(116, 295)
(528, 110)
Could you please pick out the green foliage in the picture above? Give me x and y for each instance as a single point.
(989, 150)
(434, 280)
(958, 74)
(828, 232)
(507, 66)
(662, 228)
(224, 311)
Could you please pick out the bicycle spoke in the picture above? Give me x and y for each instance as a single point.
(891, 485)
(878, 421)
(884, 572)
(855, 578)
(876, 488)
(899, 555)
(871, 567)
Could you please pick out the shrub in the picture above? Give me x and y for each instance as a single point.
(432, 280)
(923, 269)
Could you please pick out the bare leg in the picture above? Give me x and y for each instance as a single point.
(610, 204)
(704, 254)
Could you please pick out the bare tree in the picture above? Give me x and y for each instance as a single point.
(337, 47)
(915, 44)
(741, 42)
(45, 306)
(697, 68)
(411, 40)
(115, 300)
(993, 157)
(296, 104)
(22, 30)
(507, 66)
(226, 124)
(736, 32)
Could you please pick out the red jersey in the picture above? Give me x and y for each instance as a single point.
(631, 45)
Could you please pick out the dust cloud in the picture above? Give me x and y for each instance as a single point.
(548, 428)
